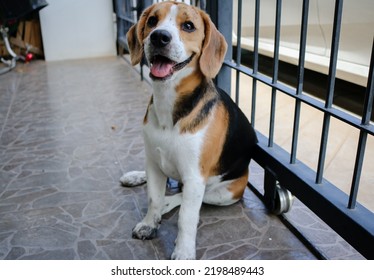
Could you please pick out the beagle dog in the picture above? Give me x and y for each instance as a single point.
(193, 132)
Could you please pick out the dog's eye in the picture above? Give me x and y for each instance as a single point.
(152, 21)
(188, 26)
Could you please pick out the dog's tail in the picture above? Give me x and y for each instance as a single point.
(133, 178)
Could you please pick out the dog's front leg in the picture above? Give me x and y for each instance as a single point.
(147, 228)
(185, 245)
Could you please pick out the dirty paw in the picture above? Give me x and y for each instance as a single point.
(133, 178)
(143, 231)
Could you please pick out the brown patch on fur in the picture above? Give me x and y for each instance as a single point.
(193, 41)
(145, 120)
(189, 83)
(213, 142)
(214, 48)
(238, 186)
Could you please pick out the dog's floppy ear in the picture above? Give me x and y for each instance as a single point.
(214, 49)
(135, 47)
(135, 37)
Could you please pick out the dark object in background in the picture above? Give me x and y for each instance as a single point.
(14, 10)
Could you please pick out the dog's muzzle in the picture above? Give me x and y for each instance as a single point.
(161, 66)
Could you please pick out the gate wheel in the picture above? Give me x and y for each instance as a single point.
(283, 200)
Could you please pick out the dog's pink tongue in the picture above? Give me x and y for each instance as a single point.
(161, 69)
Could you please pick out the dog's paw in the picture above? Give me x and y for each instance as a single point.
(183, 255)
(133, 178)
(143, 231)
(184, 249)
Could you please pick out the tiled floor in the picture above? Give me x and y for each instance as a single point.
(68, 131)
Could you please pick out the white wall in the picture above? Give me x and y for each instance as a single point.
(74, 29)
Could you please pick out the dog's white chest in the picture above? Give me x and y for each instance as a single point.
(172, 151)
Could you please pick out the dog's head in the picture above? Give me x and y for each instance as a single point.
(176, 38)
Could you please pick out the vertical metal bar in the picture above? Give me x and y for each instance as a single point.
(357, 170)
(368, 106)
(203, 4)
(270, 183)
(255, 60)
(237, 82)
(238, 50)
(120, 27)
(330, 89)
(221, 14)
(300, 79)
(275, 71)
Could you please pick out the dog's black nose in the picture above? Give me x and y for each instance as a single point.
(160, 38)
